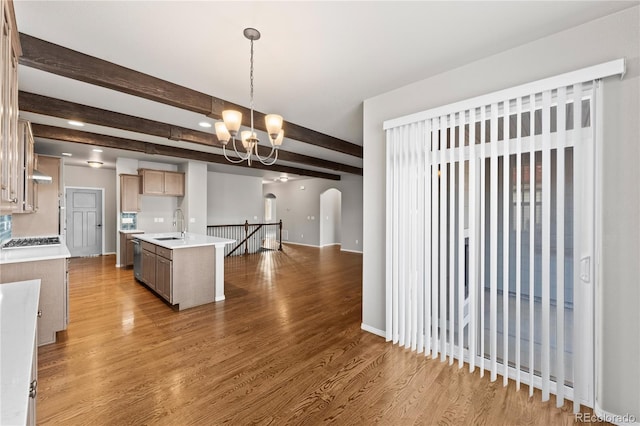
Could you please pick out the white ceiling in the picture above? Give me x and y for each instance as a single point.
(315, 63)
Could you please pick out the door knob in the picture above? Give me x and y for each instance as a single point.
(99, 225)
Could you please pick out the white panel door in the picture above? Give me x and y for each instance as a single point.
(84, 221)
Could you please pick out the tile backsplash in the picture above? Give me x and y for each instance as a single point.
(5, 228)
(128, 221)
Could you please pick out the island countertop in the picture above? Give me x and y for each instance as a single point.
(177, 242)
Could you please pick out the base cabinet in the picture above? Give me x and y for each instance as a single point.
(164, 270)
(149, 268)
(127, 248)
(157, 270)
(54, 293)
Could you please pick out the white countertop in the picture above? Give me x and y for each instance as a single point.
(34, 253)
(18, 316)
(132, 231)
(190, 240)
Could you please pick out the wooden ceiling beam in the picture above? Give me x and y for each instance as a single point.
(53, 107)
(69, 63)
(88, 138)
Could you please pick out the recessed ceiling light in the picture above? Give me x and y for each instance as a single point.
(283, 178)
(67, 154)
(204, 124)
(95, 164)
(97, 150)
(76, 123)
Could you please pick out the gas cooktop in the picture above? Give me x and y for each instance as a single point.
(31, 242)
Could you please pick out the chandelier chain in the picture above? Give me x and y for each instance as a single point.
(251, 83)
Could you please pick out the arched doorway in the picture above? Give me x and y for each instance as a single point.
(330, 217)
(270, 212)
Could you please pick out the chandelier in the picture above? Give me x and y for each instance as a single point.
(227, 129)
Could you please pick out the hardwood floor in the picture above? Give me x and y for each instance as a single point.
(285, 347)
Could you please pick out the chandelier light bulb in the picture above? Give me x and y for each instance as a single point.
(232, 119)
(222, 133)
(274, 124)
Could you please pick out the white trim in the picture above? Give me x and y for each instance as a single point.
(610, 417)
(329, 245)
(372, 330)
(351, 251)
(301, 244)
(219, 299)
(111, 252)
(594, 72)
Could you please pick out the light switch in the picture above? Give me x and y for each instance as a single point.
(161, 219)
(585, 269)
(192, 220)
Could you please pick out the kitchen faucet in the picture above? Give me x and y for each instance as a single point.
(178, 215)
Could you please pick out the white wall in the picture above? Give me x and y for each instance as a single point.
(194, 202)
(296, 207)
(232, 199)
(87, 177)
(611, 37)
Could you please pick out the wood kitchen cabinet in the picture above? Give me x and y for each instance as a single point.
(126, 248)
(164, 282)
(149, 265)
(161, 182)
(54, 293)
(157, 269)
(129, 193)
(45, 220)
(9, 143)
(26, 192)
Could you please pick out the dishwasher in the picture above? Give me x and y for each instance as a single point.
(137, 259)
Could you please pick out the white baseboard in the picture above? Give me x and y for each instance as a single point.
(109, 252)
(351, 251)
(300, 244)
(373, 330)
(329, 245)
(219, 299)
(616, 419)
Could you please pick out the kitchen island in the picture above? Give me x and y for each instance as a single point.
(186, 270)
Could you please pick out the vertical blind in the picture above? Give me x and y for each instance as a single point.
(489, 232)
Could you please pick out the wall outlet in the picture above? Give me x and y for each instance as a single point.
(255, 218)
(301, 235)
(127, 220)
(356, 242)
(313, 218)
(192, 220)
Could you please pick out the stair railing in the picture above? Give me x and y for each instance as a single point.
(253, 237)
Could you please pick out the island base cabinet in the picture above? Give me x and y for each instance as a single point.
(149, 268)
(184, 277)
(54, 295)
(193, 271)
(164, 283)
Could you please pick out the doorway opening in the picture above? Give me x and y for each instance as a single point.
(330, 217)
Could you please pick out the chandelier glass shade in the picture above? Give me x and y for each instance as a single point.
(227, 130)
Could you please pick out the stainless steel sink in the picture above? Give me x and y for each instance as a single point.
(167, 238)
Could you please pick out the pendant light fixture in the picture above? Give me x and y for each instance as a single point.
(228, 129)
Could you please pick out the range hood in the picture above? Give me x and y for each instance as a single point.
(39, 177)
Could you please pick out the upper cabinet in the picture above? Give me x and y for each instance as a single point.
(26, 161)
(9, 142)
(129, 193)
(161, 182)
